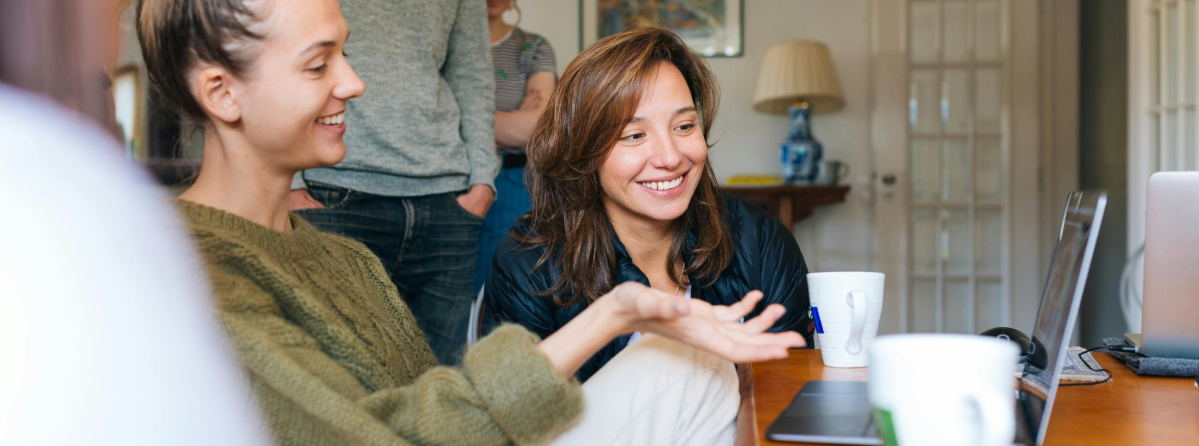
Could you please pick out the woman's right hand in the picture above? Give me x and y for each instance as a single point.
(715, 328)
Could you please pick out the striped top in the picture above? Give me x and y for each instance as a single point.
(518, 57)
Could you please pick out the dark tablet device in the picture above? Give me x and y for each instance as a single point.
(832, 412)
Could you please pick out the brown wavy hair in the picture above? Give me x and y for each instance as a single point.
(595, 99)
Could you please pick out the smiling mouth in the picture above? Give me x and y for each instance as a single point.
(333, 120)
(664, 185)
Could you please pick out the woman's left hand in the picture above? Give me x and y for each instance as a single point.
(715, 328)
(632, 306)
(478, 200)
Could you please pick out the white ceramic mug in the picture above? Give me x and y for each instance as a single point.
(831, 172)
(943, 389)
(846, 307)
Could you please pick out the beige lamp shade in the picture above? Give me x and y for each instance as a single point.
(798, 71)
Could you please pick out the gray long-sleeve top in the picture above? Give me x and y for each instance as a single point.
(426, 123)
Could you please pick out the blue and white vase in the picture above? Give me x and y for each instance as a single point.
(800, 154)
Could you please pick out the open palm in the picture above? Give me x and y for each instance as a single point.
(715, 328)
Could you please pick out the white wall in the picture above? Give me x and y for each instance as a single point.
(837, 237)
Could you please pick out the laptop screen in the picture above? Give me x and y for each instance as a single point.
(1059, 305)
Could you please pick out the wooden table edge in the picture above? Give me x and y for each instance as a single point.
(1169, 424)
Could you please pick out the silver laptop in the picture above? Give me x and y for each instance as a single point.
(839, 412)
(1170, 316)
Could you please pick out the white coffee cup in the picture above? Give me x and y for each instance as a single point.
(943, 389)
(846, 307)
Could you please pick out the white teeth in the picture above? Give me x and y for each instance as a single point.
(664, 185)
(337, 119)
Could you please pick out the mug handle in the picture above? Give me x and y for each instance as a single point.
(997, 422)
(857, 300)
(844, 171)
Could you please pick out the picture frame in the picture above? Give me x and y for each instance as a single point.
(711, 28)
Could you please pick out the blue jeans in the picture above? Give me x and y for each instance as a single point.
(427, 245)
(511, 201)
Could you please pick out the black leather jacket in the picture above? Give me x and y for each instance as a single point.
(766, 258)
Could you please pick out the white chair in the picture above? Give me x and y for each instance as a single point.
(476, 319)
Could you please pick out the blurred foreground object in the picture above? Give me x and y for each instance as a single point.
(62, 49)
(109, 336)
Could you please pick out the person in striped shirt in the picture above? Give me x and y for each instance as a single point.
(524, 78)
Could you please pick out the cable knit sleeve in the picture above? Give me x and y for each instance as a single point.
(507, 391)
(505, 379)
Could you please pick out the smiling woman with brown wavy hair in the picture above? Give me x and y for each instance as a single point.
(572, 141)
(623, 191)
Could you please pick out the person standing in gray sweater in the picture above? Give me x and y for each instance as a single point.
(419, 171)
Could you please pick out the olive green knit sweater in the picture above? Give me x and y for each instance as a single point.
(335, 357)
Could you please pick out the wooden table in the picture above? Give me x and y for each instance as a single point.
(790, 203)
(1130, 410)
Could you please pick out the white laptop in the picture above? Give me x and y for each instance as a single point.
(1170, 316)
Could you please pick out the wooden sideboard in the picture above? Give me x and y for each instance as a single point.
(790, 203)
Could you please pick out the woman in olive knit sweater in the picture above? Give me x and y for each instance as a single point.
(333, 353)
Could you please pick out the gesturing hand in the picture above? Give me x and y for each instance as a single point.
(715, 328)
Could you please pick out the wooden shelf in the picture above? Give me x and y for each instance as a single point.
(790, 203)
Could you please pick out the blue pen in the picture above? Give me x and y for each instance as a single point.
(816, 318)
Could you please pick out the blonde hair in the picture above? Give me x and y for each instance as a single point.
(177, 34)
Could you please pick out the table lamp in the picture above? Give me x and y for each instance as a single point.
(798, 77)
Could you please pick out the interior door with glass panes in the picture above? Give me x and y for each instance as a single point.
(1163, 68)
(949, 77)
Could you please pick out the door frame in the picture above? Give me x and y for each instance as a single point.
(1059, 133)
(1042, 154)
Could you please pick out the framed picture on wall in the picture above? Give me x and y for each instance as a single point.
(712, 28)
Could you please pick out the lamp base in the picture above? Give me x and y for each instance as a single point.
(801, 153)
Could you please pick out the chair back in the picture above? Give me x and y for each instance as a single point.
(476, 319)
